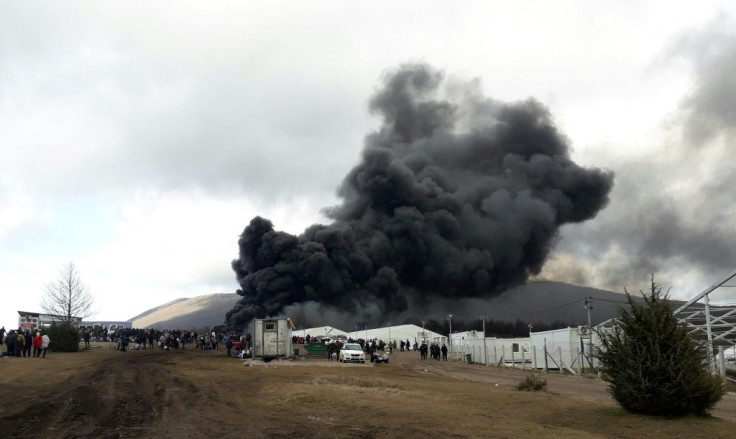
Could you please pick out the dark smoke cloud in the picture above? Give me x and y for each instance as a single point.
(450, 200)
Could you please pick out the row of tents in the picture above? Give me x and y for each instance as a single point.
(398, 333)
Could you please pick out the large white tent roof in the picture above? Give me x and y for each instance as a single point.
(319, 332)
(397, 333)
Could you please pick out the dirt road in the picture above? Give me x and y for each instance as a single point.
(102, 393)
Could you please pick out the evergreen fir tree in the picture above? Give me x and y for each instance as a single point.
(652, 363)
(64, 337)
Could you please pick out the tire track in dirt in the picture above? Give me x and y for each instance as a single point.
(127, 396)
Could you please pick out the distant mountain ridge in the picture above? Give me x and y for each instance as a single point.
(188, 313)
(153, 310)
(539, 301)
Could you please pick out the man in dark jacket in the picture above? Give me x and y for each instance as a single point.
(10, 344)
(229, 344)
(28, 344)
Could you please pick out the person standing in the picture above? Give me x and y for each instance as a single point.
(228, 345)
(10, 344)
(20, 343)
(28, 344)
(37, 343)
(45, 342)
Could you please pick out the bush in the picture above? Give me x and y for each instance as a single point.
(64, 337)
(653, 365)
(532, 384)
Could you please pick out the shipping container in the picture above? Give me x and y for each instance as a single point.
(271, 339)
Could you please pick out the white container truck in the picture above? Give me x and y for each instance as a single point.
(271, 338)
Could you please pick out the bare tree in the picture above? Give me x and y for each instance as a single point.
(67, 296)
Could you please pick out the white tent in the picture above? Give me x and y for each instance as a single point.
(319, 331)
(397, 333)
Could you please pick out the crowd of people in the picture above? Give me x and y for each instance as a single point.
(140, 339)
(18, 343)
(26, 342)
(434, 350)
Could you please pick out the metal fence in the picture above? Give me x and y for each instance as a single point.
(547, 358)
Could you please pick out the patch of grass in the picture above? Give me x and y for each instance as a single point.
(351, 381)
(298, 398)
(531, 383)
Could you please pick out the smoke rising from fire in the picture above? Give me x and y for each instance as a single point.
(456, 196)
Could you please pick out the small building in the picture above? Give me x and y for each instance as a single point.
(566, 348)
(473, 347)
(34, 320)
(513, 351)
(272, 338)
(470, 345)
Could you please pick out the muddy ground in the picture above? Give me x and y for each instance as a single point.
(102, 393)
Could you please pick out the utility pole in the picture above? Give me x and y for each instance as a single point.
(709, 332)
(485, 349)
(588, 305)
(531, 348)
(449, 338)
(424, 334)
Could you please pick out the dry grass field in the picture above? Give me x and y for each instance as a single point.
(102, 393)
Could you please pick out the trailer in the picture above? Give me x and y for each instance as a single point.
(272, 338)
(566, 348)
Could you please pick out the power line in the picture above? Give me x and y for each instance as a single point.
(610, 301)
(552, 308)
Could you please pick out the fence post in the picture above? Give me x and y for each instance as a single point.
(534, 357)
(546, 365)
(495, 355)
(559, 355)
(580, 362)
(523, 360)
(513, 359)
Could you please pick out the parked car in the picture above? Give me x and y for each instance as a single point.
(351, 353)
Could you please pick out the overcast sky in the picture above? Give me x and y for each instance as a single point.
(138, 139)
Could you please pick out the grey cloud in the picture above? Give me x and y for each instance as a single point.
(111, 115)
(672, 210)
(710, 110)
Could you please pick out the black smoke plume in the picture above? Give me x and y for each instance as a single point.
(456, 196)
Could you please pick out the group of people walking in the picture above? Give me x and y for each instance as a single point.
(19, 342)
(435, 350)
